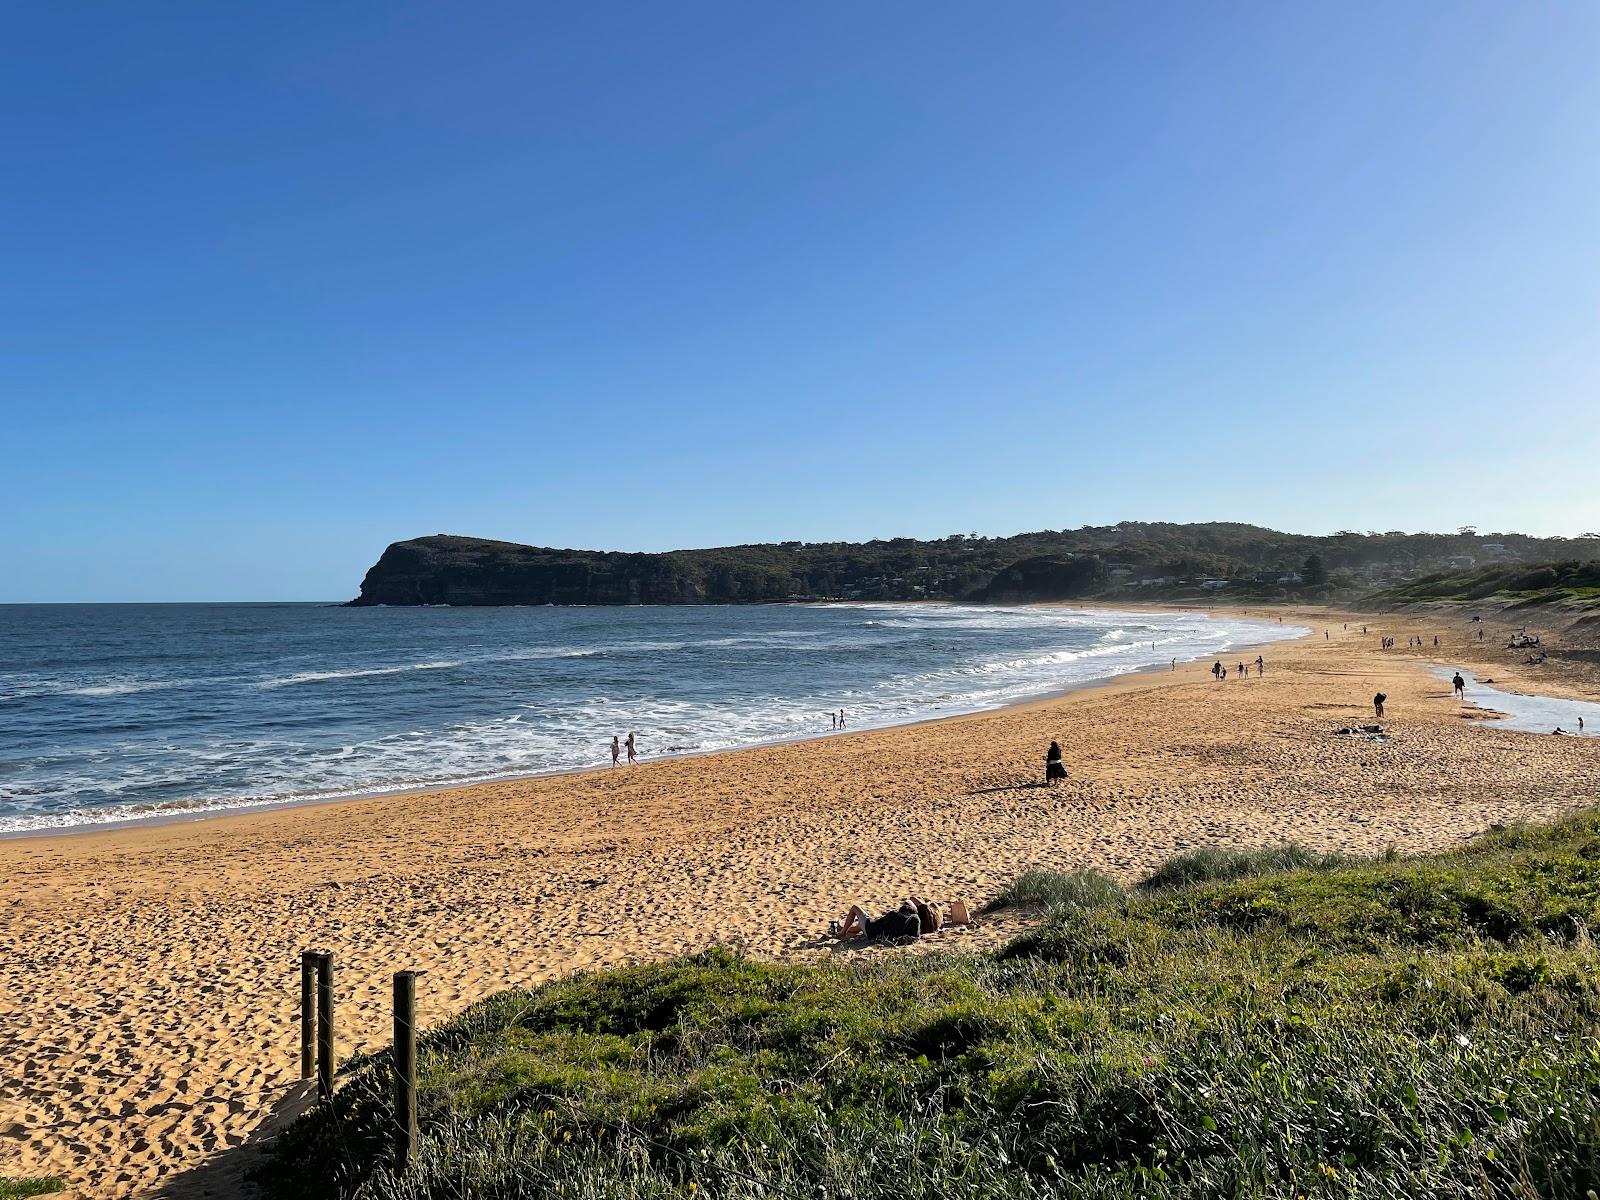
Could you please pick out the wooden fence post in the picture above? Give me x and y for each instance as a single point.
(405, 1067)
(308, 1012)
(324, 1025)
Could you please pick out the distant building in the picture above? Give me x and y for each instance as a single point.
(1291, 577)
(1213, 585)
(1461, 562)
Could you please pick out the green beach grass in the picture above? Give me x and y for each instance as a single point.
(31, 1185)
(1264, 1024)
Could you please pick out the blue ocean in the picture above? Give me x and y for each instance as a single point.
(126, 712)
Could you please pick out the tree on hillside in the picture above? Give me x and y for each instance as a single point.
(1315, 572)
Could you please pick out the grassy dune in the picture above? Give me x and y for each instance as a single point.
(1571, 584)
(1260, 1024)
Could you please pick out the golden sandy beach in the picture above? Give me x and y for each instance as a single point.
(148, 1013)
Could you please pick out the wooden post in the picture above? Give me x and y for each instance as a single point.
(308, 1012)
(405, 1067)
(324, 1025)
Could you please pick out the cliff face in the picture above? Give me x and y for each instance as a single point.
(1035, 579)
(459, 570)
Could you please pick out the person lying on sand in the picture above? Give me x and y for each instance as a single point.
(912, 919)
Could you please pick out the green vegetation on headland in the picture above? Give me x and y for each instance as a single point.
(1218, 560)
(1411, 1027)
(1571, 584)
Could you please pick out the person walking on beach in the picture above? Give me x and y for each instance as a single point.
(1261, 665)
(833, 720)
(633, 750)
(1377, 705)
(616, 750)
(1053, 770)
(841, 718)
(1216, 670)
(1460, 686)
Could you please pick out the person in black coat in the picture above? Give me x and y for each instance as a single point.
(1053, 770)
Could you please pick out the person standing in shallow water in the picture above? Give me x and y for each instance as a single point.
(633, 750)
(616, 750)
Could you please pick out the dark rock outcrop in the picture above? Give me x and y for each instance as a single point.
(1035, 579)
(461, 570)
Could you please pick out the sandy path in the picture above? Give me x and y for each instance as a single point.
(148, 1008)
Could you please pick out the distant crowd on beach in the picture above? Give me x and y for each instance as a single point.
(1220, 672)
(1055, 770)
(1519, 640)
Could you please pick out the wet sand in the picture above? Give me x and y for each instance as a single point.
(148, 1018)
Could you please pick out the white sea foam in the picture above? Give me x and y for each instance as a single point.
(323, 676)
(129, 687)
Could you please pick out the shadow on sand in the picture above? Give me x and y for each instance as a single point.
(221, 1176)
(1035, 785)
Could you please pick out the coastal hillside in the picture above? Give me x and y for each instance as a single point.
(1573, 584)
(1263, 1023)
(1218, 560)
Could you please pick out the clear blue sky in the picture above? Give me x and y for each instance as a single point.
(283, 283)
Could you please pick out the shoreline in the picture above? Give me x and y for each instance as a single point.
(206, 811)
(148, 1002)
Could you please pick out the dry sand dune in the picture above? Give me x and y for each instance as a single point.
(148, 1017)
